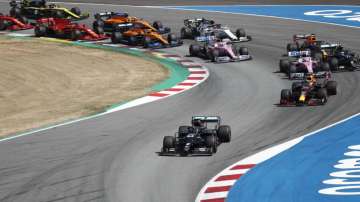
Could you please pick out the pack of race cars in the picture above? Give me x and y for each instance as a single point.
(308, 60)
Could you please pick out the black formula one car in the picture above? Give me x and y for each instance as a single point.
(198, 139)
(310, 91)
(36, 9)
(200, 29)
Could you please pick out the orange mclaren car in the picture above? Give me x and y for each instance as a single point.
(111, 21)
(137, 34)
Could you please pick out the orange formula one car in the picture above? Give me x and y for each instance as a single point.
(111, 21)
(136, 34)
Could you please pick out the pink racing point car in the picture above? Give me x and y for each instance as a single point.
(13, 24)
(298, 68)
(220, 51)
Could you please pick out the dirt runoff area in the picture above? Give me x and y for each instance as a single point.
(44, 82)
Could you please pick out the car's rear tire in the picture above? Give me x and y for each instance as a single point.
(185, 33)
(292, 69)
(322, 95)
(214, 55)
(243, 51)
(284, 65)
(318, 56)
(40, 31)
(133, 40)
(325, 67)
(194, 50)
(292, 47)
(98, 23)
(2, 25)
(211, 143)
(116, 37)
(334, 64)
(168, 142)
(224, 133)
(240, 33)
(99, 30)
(171, 38)
(76, 11)
(75, 35)
(15, 12)
(157, 25)
(331, 87)
(285, 94)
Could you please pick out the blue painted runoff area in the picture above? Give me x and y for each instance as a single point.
(298, 174)
(340, 15)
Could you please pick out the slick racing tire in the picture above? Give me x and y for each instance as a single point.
(15, 12)
(211, 143)
(334, 64)
(322, 95)
(240, 33)
(40, 31)
(23, 19)
(171, 38)
(98, 23)
(224, 133)
(2, 25)
(76, 11)
(318, 56)
(194, 50)
(285, 95)
(168, 142)
(214, 54)
(291, 47)
(75, 35)
(157, 25)
(99, 30)
(292, 69)
(331, 87)
(325, 67)
(116, 37)
(243, 51)
(284, 65)
(185, 33)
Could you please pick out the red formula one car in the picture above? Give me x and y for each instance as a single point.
(13, 24)
(64, 28)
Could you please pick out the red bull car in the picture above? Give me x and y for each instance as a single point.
(310, 91)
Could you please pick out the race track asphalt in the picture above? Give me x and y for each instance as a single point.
(114, 157)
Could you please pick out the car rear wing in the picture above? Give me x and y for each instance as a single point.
(330, 45)
(198, 20)
(205, 39)
(209, 119)
(110, 14)
(299, 53)
(302, 36)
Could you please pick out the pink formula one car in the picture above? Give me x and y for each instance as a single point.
(220, 51)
